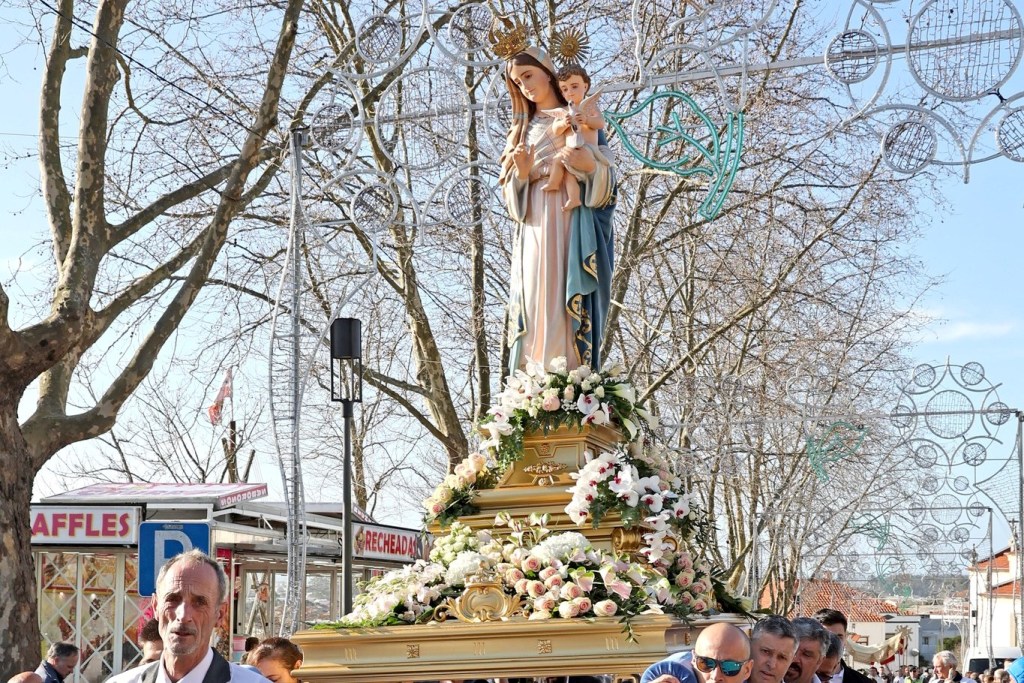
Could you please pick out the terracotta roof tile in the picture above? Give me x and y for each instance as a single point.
(1000, 560)
(1007, 589)
(816, 594)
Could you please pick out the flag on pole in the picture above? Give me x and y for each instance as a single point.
(217, 409)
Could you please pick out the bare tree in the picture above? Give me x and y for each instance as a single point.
(110, 277)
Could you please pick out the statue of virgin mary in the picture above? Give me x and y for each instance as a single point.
(562, 260)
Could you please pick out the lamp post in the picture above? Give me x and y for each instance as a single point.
(347, 388)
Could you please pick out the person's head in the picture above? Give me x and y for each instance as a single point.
(276, 659)
(829, 664)
(532, 74)
(833, 620)
(574, 82)
(151, 642)
(944, 663)
(251, 642)
(1001, 676)
(530, 79)
(873, 671)
(191, 598)
(772, 644)
(812, 642)
(63, 657)
(26, 677)
(722, 655)
(1015, 669)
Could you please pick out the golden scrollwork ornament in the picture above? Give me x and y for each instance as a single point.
(483, 599)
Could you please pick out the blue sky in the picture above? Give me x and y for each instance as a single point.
(977, 247)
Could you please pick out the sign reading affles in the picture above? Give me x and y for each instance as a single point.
(85, 525)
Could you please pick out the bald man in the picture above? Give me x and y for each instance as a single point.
(720, 655)
(26, 677)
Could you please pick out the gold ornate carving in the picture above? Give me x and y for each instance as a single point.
(545, 473)
(626, 540)
(543, 646)
(412, 651)
(483, 599)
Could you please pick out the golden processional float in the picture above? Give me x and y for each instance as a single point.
(565, 546)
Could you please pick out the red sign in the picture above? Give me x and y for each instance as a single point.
(373, 542)
(85, 525)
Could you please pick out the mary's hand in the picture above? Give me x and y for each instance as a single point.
(582, 159)
(523, 157)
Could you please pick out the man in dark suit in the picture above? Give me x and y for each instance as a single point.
(61, 660)
(835, 621)
(191, 598)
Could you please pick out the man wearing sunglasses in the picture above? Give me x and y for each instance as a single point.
(812, 643)
(720, 655)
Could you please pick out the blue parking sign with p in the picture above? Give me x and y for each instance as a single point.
(160, 541)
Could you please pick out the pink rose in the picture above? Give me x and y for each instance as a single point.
(544, 603)
(553, 581)
(684, 579)
(532, 564)
(477, 462)
(551, 403)
(583, 604)
(535, 589)
(605, 608)
(570, 591)
(699, 605)
(547, 573)
(521, 585)
(567, 610)
(685, 598)
(513, 576)
(535, 615)
(684, 562)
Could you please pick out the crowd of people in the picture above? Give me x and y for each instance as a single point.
(192, 594)
(802, 650)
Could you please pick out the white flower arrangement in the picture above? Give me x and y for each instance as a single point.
(535, 399)
(558, 576)
(640, 494)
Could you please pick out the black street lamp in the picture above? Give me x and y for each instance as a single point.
(347, 388)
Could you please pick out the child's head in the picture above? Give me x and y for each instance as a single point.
(574, 83)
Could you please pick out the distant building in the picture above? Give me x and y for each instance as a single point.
(995, 600)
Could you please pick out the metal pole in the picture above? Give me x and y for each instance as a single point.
(1018, 533)
(346, 497)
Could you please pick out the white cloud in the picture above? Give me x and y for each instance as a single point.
(965, 330)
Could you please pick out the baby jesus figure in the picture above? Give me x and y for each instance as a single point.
(579, 122)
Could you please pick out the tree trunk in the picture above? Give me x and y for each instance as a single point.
(18, 620)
